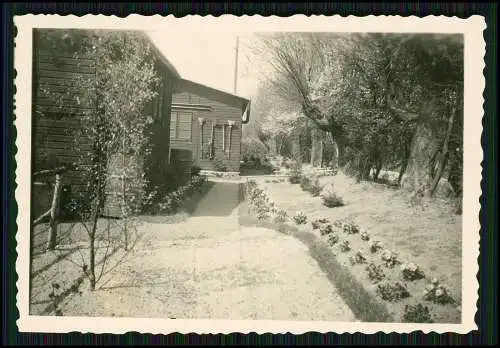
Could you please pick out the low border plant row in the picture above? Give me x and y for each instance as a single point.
(174, 200)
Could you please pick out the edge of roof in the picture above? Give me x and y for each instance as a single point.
(245, 117)
(161, 56)
(216, 90)
(246, 108)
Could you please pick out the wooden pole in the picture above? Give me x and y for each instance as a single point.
(201, 121)
(236, 64)
(231, 124)
(321, 149)
(212, 141)
(54, 212)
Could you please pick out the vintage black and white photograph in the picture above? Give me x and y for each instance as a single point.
(248, 173)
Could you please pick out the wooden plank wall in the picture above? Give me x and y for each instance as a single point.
(221, 112)
(54, 126)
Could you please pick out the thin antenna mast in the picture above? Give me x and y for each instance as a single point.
(236, 65)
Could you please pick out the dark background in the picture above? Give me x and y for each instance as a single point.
(486, 317)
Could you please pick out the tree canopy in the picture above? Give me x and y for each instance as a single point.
(379, 95)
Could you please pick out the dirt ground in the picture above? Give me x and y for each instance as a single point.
(207, 266)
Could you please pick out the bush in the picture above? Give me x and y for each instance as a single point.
(325, 229)
(375, 246)
(305, 183)
(333, 239)
(345, 246)
(172, 201)
(281, 216)
(392, 293)
(365, 236)
(417, 314)
(315, 188)
(350, 228)
(390, 258)
(330, 198)
(412, 271)
(437, 293)
(195, 171)
(300, 218)
(375, 273)
(252, 152)
(359, 257)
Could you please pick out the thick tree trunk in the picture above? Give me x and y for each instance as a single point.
(377, 172)
(317, 147)
(335, 156)
(404, 163)
(296, 151)
(423, 150)
(443, 156)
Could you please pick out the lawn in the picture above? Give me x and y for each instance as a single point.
(428, 235)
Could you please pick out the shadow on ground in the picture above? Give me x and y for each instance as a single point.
(220, 201)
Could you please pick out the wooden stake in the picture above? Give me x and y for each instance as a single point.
(54, 212)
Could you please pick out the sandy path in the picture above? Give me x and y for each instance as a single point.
(210, 267)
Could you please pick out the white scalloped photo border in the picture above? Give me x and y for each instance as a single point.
(474, 82)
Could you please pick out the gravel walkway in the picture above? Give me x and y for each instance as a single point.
(210, 267)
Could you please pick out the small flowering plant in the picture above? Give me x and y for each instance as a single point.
(375, 246)
(359, 257)
(345, 246)
(300, 218)
(325, 229)
(333, 239)
(417, 314)
(392, 292)
(437, 293)
(412, 271)
(351, 228)
(339, 224)
(390, 258)
(280, 215)
(365, 236)
(375, 273)
(323, 221)
(315, 224)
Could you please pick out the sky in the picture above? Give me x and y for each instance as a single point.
(208, 58)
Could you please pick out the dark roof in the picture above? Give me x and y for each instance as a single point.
(214, 90)
(244, 102)
(163, 59)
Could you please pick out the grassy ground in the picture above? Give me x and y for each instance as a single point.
(429, 235)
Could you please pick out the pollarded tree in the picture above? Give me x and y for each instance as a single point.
(419, 80)
(308, 72)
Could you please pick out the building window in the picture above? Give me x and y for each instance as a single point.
(181, 125)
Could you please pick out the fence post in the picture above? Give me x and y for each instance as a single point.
(54, 214)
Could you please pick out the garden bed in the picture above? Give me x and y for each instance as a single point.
(383, 214)
(217, 174)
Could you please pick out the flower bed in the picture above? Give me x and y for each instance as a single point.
(374, 265)
(218, 174)
(174, 200)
